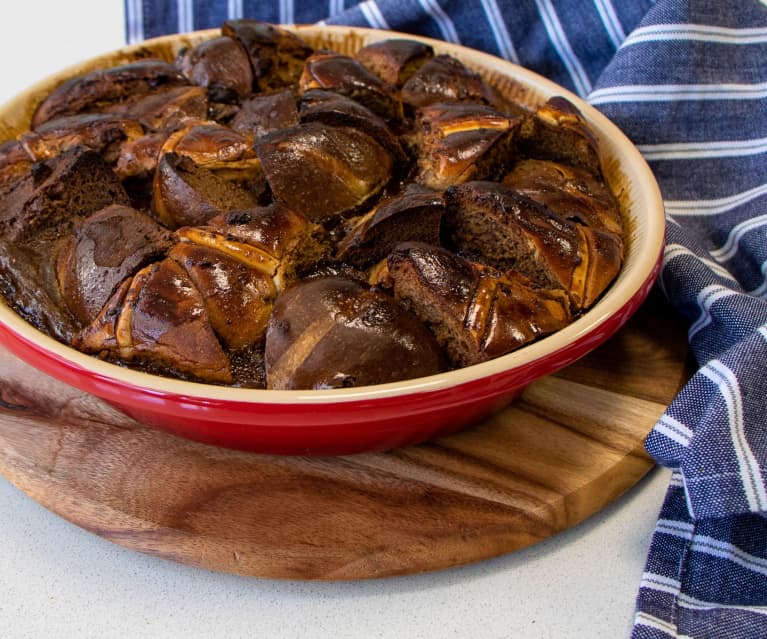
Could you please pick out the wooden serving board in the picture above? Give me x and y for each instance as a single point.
(571, 444)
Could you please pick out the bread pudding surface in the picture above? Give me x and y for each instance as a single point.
(262, 213)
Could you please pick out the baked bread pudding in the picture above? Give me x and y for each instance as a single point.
(264, 214)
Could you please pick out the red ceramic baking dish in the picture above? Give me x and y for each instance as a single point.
(370, 418)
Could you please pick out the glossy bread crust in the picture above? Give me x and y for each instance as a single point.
(477, 313)
(337, 333)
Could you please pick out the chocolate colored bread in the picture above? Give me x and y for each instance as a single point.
(509, 231)
(571, 193)
(102, 250)
(324, 172)
(443, 78)
(222, 66)
(395, 60)
(414, 215)
(93, 91)
(557, 131)
(47, 201)
(335, 333)
(264, 113)
(276, 56)
(458, 142)
(185, 193)
(158, 319)
(349, 77)
(476, 312)
(32, 292)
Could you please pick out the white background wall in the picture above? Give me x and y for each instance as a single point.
(38, 38)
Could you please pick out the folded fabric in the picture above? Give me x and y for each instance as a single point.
(686, 80)
(570, 44)
(689, 86)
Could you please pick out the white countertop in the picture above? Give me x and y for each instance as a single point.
(57, 580)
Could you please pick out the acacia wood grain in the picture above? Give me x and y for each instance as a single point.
(571, 444)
